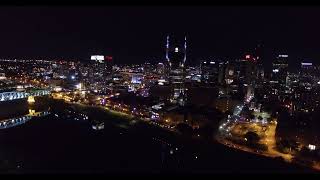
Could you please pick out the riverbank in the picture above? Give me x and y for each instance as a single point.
(60, 144)
(215, 143)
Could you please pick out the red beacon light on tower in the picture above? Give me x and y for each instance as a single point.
(109, 58)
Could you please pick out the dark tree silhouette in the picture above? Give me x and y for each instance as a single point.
(252, 137)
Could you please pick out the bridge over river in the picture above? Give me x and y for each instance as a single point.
(13, 95)
(8, 123)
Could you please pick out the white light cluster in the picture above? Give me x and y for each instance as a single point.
(311, 147)
(97, 57)
(306, 64)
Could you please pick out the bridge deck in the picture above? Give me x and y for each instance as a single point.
(7, 96)
(7, 123)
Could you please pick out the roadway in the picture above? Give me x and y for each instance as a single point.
(235, 126)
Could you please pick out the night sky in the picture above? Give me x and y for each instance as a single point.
(137, 34)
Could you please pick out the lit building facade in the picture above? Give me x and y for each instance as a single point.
(280, 69)
(248, 76)
(161, 69)
(176, 55)
(279, 75)
(209, 72)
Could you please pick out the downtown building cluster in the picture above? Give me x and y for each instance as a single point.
(174, 91)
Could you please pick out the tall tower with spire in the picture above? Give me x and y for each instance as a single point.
(176, 56)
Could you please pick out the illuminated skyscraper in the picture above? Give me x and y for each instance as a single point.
(176, 55)
(280, 69)
(160, 69)
(260, 70)
(279, 76)
(209, 72)
(248, 69)
(307, 73)
(230, 74)
(109, 64)
(248, 76)
(307, 69)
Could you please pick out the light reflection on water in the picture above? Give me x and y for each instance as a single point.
(16, 121)
(18, 112)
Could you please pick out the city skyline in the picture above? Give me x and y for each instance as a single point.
(159, 89)
(135, 35)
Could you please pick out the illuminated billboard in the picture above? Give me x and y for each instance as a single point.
(97, 58)
(306, 64)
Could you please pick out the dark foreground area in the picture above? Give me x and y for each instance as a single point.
(64, 145)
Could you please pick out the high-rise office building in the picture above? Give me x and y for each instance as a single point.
(222, 71)
(280, 70)
(259, 57)
(209, 72)
(176, 55)
(109, 61)
(248, 70)
(147, 68)
(103, 64)
(230, 73)
(307, 69)
(307, 73)
(279, 76)
(248, 76)
(260, 73)
(161, 69)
